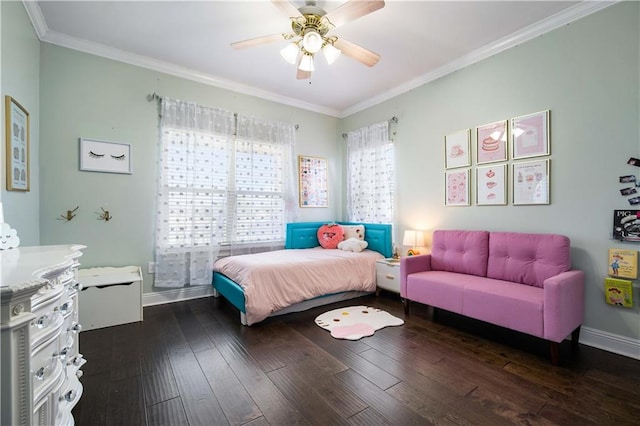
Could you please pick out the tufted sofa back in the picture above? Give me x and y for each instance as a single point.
(510, 256)
(464, 252)
(527, 258)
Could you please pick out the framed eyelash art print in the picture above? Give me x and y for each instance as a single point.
(104, 156)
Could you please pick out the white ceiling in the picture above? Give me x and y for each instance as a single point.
(418, 41)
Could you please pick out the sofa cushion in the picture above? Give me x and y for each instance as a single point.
(464, 252)
(438, 288)
(515, 306)
(527, 258)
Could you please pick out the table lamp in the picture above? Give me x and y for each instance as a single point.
(413, 239)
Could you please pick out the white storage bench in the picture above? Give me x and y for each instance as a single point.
(110, 296)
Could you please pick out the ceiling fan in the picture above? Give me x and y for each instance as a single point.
(310, 26)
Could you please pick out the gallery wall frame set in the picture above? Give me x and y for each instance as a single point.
(18, 134)
(505, 142)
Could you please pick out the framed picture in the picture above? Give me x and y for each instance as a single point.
(530, 135)
(17, 145)
(531, 182)
(457, 147)
(491, 142)
(491, 185)
(457, 192)
(312, 181)
(104, 156)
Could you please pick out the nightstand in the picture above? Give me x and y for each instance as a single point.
(388, 274)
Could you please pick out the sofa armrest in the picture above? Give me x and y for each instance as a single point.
(410, 265)
(563, 304)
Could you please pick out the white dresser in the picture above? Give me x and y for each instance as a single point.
(39, 327)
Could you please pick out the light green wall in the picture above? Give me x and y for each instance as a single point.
(587, 73)
(20, 70)
(87, 96)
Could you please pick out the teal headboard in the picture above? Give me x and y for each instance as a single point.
(305, 235)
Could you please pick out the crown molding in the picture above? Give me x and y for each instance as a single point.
(553, 22)
(571, 14)
(46, 35)
(37, 18)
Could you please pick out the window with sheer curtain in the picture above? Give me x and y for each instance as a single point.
(370, 174)
(225, 184)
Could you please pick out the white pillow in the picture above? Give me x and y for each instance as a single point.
(353, 231)
(352, 244)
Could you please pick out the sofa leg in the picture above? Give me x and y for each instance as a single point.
(575, 339)
(435, 314)
(555, 353)
(406, 303)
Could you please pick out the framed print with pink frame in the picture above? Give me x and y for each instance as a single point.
(457, 188)
(491, 142)
(530, 135)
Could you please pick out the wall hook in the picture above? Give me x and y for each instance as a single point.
(70, 215)
(104, 215)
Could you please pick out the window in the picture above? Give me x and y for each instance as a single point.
(224, 180)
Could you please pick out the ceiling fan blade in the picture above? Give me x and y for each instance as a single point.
(303, 75)
(360, 54)
(287, 8)
(258, 41)
(352, 10)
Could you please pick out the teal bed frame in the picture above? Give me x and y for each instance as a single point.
(302, 235)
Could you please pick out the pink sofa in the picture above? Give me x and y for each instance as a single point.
(515, 280)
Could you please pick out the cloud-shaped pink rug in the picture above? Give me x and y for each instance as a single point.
(356, 322)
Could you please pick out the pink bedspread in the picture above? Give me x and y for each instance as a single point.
(277, 279)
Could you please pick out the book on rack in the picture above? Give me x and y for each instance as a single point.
(623, 263)
(618, 292)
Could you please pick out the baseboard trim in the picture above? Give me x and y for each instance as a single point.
(588, 336)
(176, 295)
(610, 342)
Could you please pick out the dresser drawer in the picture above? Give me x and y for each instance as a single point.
(388, 276)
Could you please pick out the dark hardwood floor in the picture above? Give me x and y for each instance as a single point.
(192, 363)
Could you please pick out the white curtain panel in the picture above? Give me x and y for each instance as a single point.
(370, 174)
(195, 147)
(225, 186)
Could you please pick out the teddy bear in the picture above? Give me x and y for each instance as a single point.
(353, 244)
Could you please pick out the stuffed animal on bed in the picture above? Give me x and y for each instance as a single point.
(353, 244)
(330, 235)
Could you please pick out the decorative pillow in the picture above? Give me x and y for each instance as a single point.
(353, 231)
(353, 244)
(330, 235)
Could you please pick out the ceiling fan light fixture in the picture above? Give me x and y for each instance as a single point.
(312, 41)
(331, 53)
(306, 63)
(290, 53)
